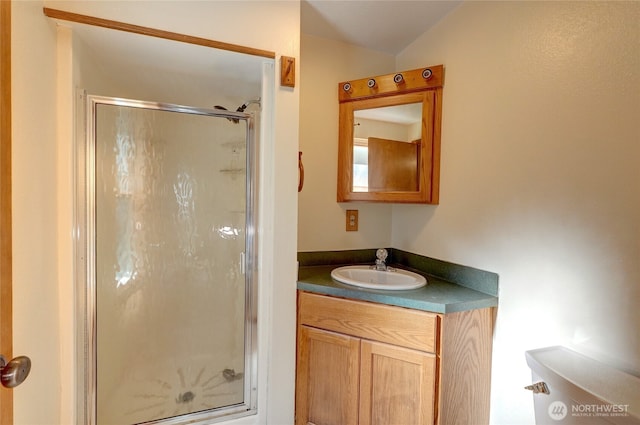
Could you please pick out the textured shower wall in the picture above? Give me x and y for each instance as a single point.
(170, 288)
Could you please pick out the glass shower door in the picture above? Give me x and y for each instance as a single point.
(170, 306)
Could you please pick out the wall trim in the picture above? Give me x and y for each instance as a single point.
(6, 257)
(153, 32)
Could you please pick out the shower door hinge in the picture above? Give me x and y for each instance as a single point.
(243, 264)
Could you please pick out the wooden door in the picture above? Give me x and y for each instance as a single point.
(6, 401)
(393, 165)
(397, 385)
(327, 378)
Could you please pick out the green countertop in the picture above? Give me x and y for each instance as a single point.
(438, 296)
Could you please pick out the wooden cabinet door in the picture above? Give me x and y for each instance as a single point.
(327, 378)
(397, 385)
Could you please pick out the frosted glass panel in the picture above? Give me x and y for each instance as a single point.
(170, 201)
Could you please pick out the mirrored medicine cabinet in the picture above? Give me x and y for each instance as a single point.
(389, 137)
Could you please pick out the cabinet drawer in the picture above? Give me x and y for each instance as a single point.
(394, 325)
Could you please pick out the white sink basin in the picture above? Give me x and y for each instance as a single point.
(366, 277)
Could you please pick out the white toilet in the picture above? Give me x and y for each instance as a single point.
(572, 389)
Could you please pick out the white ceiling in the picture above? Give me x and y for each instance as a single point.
(383, 25)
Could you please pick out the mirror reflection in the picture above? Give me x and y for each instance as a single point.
(386, 148)
(389, 137)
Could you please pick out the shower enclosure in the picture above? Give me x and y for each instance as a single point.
(166, 218)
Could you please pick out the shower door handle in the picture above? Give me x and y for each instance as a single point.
(15, 372)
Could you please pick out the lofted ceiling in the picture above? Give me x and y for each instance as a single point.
(384, 25)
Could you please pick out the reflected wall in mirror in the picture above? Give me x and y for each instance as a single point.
(383, 133)
(389, 144)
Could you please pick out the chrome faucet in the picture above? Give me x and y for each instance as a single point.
(381, 257)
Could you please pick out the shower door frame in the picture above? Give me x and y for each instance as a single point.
(85, 255)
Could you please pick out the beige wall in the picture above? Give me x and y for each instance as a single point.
(43, 124)
(35, 293)
(321, 220)
(539, 183)
(540, 151)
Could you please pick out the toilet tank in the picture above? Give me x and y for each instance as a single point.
(581, 390)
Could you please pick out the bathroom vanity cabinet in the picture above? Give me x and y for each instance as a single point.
(361, 363)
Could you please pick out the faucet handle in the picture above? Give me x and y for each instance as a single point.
(382, 254)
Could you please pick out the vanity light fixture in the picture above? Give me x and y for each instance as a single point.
(398, 78)
(371, 83)
(346, 87)
(426, 74)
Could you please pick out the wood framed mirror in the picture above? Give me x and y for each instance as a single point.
(389, 137)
